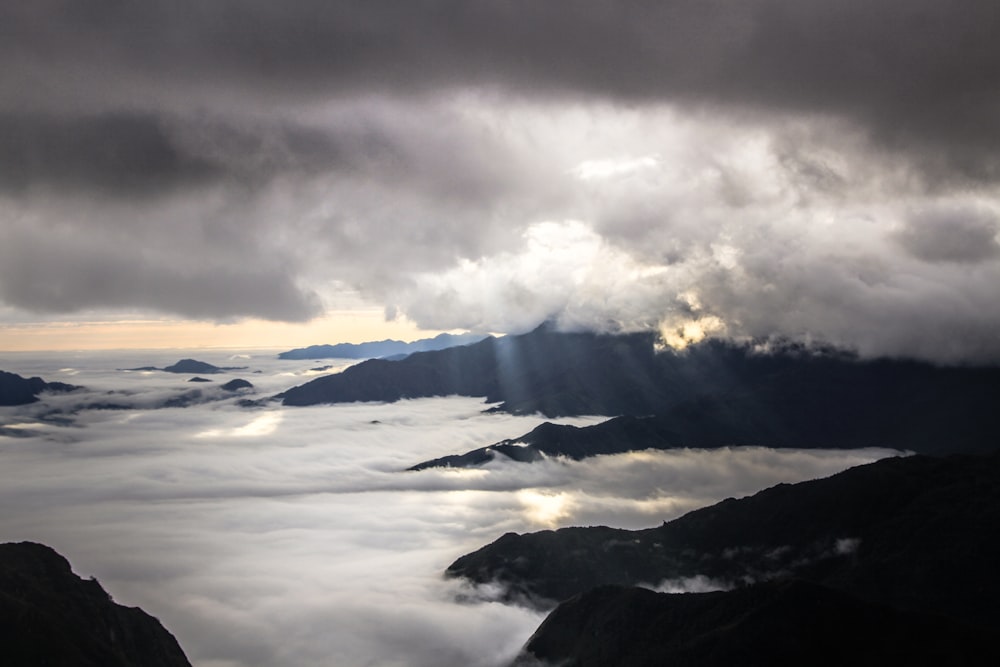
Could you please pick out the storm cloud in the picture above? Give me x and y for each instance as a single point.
(810, 170)
(904, 68)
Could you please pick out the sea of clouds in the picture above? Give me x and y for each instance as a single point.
(269, 536)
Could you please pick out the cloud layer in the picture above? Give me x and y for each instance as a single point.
(280, 536)
(802, 169)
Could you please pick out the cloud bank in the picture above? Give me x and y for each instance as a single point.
(280, 536)
(800, 169)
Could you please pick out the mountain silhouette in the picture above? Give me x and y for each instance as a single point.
(17, 390)
(906, 542)
(190, 367)
(712, 394)
(544, 371)
(50, 616)
(771, 624)
(911, 532)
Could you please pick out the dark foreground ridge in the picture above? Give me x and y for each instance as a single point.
(17, 390)
(915, 533)
(49, 616)
(888, 563)
(790, 623)
(381, 348)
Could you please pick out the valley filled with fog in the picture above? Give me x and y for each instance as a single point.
(263, 535)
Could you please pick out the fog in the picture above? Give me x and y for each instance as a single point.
(272, 536)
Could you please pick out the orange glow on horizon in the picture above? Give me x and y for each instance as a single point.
(348, 326)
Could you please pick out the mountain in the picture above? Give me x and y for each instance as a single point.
(196, 367)
(770, 624)
(382, 348)
(544, 371)
(888, 563)
(16, 390)
(712, 393)
(50, 616)
(720, 395)
(924, 410)
(190, 366)
(237, 384)
(915, 533)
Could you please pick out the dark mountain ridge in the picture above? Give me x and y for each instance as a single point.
(712, 394)
(887, 563)
(916, 533)
(50, 616)
(544, 371)
(770, 624)
(17, 390)
(718, 394)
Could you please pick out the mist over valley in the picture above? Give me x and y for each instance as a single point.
(240, 528)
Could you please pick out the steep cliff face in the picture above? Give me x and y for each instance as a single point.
(50, 616)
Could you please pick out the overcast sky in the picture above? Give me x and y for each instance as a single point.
(820, 170)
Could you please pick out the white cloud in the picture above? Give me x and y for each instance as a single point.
(307, 545)
(590, 170)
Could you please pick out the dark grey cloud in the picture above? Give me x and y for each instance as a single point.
(919, 75)
(769, 164)
(219, 216)
(112, 152)
(136, 154)
(965, 234)
(73, 264)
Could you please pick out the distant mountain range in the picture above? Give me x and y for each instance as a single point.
(903, 542)
(711, 394)
(382, 348)
(50, 616)
(17, 390)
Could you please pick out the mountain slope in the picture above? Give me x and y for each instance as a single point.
(17, 390)
(777, 623)
(544, 371)
(712, 394)
(959, 421)
(50, 616)
(916, 533)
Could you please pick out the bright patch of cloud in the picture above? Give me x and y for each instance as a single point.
(592, 170)
(545, 509)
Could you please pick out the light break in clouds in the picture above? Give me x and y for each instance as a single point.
(816, 170)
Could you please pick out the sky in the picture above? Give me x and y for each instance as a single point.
(218, 173)
(280, 536)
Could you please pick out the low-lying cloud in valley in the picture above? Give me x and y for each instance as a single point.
(200, 173)
(278, 536)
